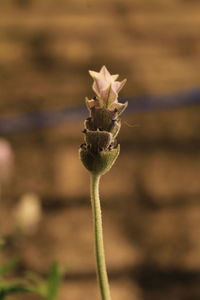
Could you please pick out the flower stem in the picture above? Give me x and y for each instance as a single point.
(98, 233)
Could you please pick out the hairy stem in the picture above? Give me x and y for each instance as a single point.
(98, 233)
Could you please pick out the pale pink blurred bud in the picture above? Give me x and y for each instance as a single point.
(6, 160)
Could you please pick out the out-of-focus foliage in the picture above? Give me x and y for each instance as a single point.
(47, 289)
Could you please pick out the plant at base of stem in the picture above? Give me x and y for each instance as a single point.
(99, 152)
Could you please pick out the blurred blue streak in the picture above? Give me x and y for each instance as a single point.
(145, 103)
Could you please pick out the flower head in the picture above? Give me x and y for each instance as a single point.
(106, 89)
(100, 148)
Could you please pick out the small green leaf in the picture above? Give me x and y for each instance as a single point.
(7, 267)
(11, 288)
(36, 284)
(53, 282)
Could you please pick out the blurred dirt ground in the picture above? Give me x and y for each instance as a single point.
(150, 199)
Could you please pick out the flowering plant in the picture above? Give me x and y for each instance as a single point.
(100, 150)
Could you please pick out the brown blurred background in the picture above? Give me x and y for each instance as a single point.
(150, 198)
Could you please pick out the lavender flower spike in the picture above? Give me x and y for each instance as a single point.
(100, 148)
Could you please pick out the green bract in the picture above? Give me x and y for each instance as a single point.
(101, 162)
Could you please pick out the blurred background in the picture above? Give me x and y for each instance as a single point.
(150, 199)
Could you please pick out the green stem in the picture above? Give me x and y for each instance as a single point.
(98, 233)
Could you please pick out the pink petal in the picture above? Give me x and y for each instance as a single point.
(114, 77)
(104, 72)
(108, 96)
(117, 85)
(95, 88)
(101, 84)
(94, 74)
(108, 77)
(119, 106)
